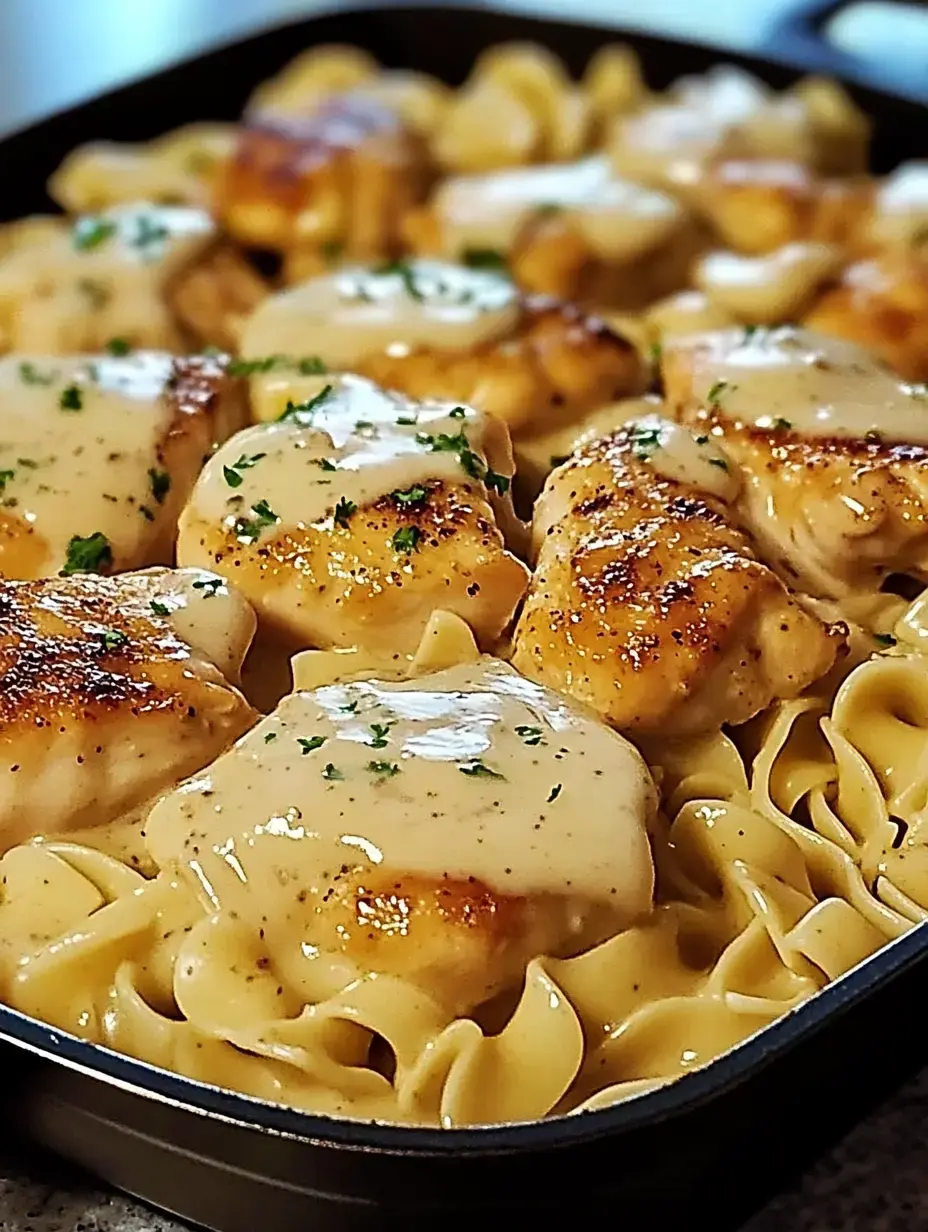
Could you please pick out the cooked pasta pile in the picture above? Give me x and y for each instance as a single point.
(684, 549)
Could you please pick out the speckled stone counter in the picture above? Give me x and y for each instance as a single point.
(875, 1180)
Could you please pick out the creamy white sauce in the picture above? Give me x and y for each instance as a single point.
(900, 209)
(687, 312)
(681, 455)
(346, 316)
(794, 378)
(618, 219)
(768, 289)
(78, 437)
(357, 444)
(470, 772)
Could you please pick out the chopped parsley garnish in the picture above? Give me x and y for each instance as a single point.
(71, 399)
(247, 367)
(350, 708)
(409, 496)
(484, 258)
(325, 464)
(159, 608)
(496, 482)
(312, 365)
(147, 514)
(644, 441)
(343, 511)
(29, 463)
(781, 425)
(5, 477)
(209, 586)
(245, 463)
(232, 478)
(715, 393)
(719, 462)
(554, 793)
(118, 347)
(407, 539)
(477, 769)
(95, 291)
(443, 442)
(112, 639)
(296, 409)
(885, 639)
(531, 735)
(363, 425)
(655, 351)
(407, 276)
(160, 484)
(251, 528)
(92, 554)
(749, 332)
(407, 421)
(458, 413)
(701, 440)
(310, 744)
(90, 232)
(379, 734)
(387, 769)
(548, 209)
(332, 773)
(148, 233)
(269, 737)
(30, 375)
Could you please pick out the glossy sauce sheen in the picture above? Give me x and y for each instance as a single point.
(818, 386)
(60, 463)
(346, 316)
(683, 456)
(618, 219)
(471, 772)
(353, 446)
(771, 288)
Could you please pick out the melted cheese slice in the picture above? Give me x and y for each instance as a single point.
(359, 311)
(795, 378)
(353, 445)
(471, 772)
(618, 219)
(80, 438)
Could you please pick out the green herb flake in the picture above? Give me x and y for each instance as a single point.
(325, 464)
(343, 511)
(147, 514)
(310, 744)
(232, 477)
(30, 375)
(160, 482)
(554, 793)
(297, 410)
(349, 708)
(458, 413)
(332, 773)
(112, 639)
(248, 367)
(386, 769)
(484, 259)
(159, 608)
(407, 276)
(5, 477)
(311, 365)
(530, 735)
(409, 496)
(29, 463)
(407, 539)
(92, 554)
(477, 769)
(90, 232)
(644, 441)
(269, 737)
(496, 482)
(781, 425)
(749, 332)
(96, 292)
(209, 586)
(251, 528)
(548, 209)
(148, 235)
(71, 399)
(655, 352)
(407, 421)
(715, 393)
(118, 347)
(719, 462)
(884, 639)
(379, 734)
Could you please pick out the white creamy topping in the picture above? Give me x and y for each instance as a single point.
(796, 379)
(359, 311)
(900, 210)
(619, 220)
(348, 447)
(768, 289)
(684, 456)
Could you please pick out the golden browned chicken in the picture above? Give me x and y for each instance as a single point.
(647, 602)
(435, 330)
(350, 521)
(882, 304)
(98, 455)
(832, 446)
(150, 276)
(572, 230)
(445, 830)
(333, 182)
(113, 689)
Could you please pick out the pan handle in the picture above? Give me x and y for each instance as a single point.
(799, 34)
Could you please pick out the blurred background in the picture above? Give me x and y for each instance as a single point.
(57, 52)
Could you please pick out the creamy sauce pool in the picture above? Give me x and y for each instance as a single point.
(78, 440)
(346, 316)
(681, 455)
(470, 772)
(796, 379)
(354, 444)
(619, 220)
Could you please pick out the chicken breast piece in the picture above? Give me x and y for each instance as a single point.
(350, 521)
(122, 274)
(462, 824)
(98, 455)
(648, 603)
(435, 330)
(111, 690)
(572, 230)
(832, 446)
(882, 304)
(334, 181)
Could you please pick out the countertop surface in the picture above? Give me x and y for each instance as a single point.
(875, 1180)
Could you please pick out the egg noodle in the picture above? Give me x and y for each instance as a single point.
(783, 860)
